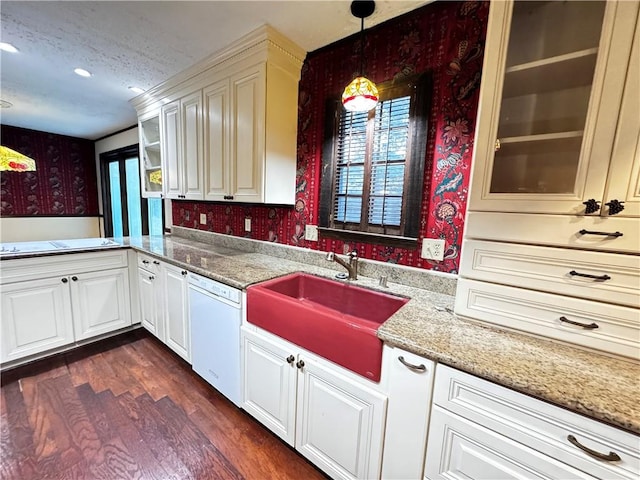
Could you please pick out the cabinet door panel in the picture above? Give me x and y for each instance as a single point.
(216, 129)
(624, 172)
(149, 307)
(407, 415)
(101, 302)
(270, 385)
(36, 316)
(339, 424)
(177, 333)
(248, 127)
(171, 155)
(460, 449)
(191, 136)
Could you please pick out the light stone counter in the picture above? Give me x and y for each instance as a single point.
(583, 381)
(596, 385)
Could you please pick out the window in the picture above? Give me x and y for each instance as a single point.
(126, 213)
(373, 166)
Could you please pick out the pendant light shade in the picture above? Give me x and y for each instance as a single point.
(12, 161)
(361, 95)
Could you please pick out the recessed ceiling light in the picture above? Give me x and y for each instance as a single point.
(82, 72)
(136, 90)
(7, 47)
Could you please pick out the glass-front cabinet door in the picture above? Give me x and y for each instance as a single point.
(552, 87)
(150, 156)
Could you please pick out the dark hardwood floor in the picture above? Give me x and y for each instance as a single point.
(128, 407)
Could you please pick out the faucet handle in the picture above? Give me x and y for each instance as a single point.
(353, 254)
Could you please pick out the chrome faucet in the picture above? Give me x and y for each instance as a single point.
(352, 266)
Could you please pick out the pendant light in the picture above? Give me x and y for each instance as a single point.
(361, 95)
(12, 161)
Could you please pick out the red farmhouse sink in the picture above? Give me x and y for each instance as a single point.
(335, 320)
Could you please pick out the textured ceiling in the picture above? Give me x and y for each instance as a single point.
(138, 43)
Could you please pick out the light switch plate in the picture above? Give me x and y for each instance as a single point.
(433, 249)
(247, 224)
(311, 233)
(203, 219)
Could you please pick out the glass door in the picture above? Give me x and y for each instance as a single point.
(126, 212)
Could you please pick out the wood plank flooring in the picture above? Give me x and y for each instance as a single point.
(129, 408)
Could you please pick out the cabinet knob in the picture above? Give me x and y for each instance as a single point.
(183, 272)
(591, 206)
(64, 280)
(151, 277)
(291, 359)
(615, 206)
(74, 278)
(228, 197)
(146, 262)
(300, 364)
(155, 262)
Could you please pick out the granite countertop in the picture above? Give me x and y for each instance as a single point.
(597, 385)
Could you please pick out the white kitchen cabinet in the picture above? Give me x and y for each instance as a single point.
(53, 301)
(462, 449)
(36, 317)
(150, 155)
(410, 387)
(482, 430)
(335, 421)
(182, 147)
(270, 381)
(229, 123)
(100, 301)
(217, 142)
(247, 158)
(552, 91)
(177, 334)
(549, 248)
(151, 293)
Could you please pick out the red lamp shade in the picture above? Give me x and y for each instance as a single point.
(361, 95)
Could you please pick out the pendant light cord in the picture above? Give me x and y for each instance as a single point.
(362, 47)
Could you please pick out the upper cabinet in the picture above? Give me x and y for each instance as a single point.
(150, 155)
(182, 147)
(558, 124)
(229, 124)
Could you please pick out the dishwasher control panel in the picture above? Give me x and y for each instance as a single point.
(216, 288)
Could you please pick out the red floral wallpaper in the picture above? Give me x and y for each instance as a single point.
(444, 37)
(65, 180)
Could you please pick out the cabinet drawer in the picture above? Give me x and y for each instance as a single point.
(462, 449)
(617, 331)
(549, 269)
(149, 263)
(555, 230)
(538, 425)
(22, 269)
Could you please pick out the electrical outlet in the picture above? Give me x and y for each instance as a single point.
(433, 249)
(203, 219)
(247, 224)
(311, 233)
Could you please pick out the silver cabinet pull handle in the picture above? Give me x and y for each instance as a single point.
(415, 368)
(610, 457)
(586, 326)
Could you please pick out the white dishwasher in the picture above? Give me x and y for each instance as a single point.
(215, 315)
